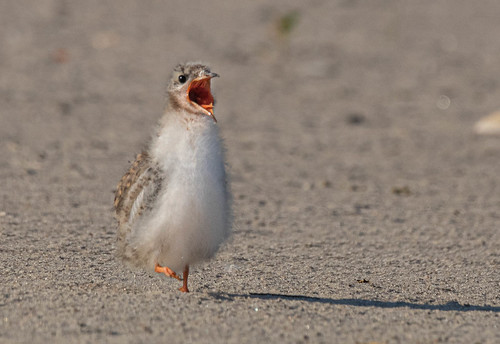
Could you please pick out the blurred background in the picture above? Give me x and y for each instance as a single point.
(317, 92)
(349, 127)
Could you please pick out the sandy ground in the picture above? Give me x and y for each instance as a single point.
(366, 208)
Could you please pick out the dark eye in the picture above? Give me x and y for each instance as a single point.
(182, 78)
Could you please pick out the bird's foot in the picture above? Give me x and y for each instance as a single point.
(167, 271)
(184, 289)
(185, 274)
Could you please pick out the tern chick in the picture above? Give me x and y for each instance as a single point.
(173, 206)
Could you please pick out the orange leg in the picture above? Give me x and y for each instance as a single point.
(184, 287)
(167, 271)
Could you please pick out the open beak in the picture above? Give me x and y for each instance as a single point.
(199, 92)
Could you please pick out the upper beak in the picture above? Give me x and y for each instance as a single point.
(207, 75)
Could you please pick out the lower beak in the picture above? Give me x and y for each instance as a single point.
(210, 108)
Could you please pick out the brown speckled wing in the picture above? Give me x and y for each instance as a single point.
(137, 189)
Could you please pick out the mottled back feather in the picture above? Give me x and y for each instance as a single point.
(137, 189)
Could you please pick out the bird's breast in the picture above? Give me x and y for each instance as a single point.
(192, 160)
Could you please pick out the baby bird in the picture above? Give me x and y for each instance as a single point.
(173, 206)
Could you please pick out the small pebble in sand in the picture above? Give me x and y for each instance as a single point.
(401, 190)
(489, 125)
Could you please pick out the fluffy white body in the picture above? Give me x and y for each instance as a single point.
(191, 216)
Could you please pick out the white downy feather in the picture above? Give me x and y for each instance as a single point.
(193, 215)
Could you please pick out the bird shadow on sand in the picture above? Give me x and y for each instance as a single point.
(449, 306)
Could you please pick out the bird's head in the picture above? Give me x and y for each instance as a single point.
(189, 89)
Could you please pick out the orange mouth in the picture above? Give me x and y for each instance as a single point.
(199, 92)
